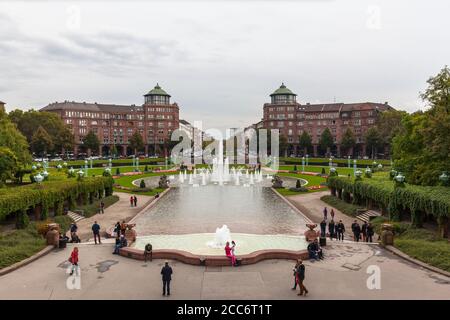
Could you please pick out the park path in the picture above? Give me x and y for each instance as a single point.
(121, 210)
(312, 207)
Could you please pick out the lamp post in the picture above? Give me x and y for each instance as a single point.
(348, 162)
(307, 160)
(330, 163)
(303, 164)
(110, 163)
(354, 167)
(166, 162)
(38, 178)
(137, 164)
(134, 164)
(91, 161)
(444, 178)
(86, 167)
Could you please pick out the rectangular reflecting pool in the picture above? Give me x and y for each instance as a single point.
(193, 210)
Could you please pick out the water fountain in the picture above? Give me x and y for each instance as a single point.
(221, 237)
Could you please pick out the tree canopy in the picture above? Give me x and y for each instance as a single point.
(422, 149)
(136, 142)
(305, 141)
(12, 139)
(90, 141)
(41, 142)
(373, 140)
(326, 140)
(348, 140)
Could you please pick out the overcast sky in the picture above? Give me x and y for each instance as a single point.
(221, 60)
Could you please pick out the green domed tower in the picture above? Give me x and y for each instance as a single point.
(283, 95)
(157, 96)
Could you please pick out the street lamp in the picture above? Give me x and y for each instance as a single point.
(348, 162)
(307, 159)
(330, 162)
(444, 178)
(38, 178)
(303, 164)
(354, 167)
(86, 167)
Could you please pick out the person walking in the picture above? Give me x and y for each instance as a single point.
(135, 201)
(166, 273)
(340, 230)
(96, 231)
(370, 232)
(102, 207)
(131, 201)
(74, 260)
(295, 275)
(331, 229)
(301, 278)
(364, 231)
(356, 228)
(332, 213)
(323, 228)
(325, 213)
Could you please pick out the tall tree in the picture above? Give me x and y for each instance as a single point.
(136, 142)
(422, 149)
(389, 124)
(41, 142)
(13, 139)
(29, 121)
(373, 141)
(8, 165)
(283, 145)
(91, 142)
(305, 142)
(326, 140)
(348, 140)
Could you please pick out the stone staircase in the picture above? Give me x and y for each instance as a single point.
(368, 215)
(75, 216)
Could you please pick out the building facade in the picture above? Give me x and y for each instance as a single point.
(291, 118)
(114, 125)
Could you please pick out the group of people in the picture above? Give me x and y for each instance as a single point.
(119, 232)
(364, 232)
(230, 252)
(335, 230)
(133, 201)
(314, 250)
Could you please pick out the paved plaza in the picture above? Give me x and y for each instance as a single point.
(342, 275)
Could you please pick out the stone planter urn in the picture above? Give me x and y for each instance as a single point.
(311, 234)
(387, 234)
(130, 234)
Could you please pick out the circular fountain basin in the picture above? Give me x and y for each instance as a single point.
(197, 244)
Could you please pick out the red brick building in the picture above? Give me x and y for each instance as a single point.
(292, 118)
(115, 124)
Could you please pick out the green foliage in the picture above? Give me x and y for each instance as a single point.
(326, 139)
(91, 141)
(117, 171)
(93, 208)
(64, 222)
(136, 142)
(19, 199)
(389, 125)
(18, 245)
(344, 207)
(142, 184)
(323, 171)
(22, 220)
(29, 121)
(348, 140)
(146, 168)
(298, 184)
(422, 149)
(426, 199)
(12, 139)
(305, 141)
(8, 165)
(41, 142)
(373, 140)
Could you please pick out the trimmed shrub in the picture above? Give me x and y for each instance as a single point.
(142, 184)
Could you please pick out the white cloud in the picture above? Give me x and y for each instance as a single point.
(220, 60)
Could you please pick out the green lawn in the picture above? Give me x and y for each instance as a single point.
(126, 181)
(18, 245)
(325, 161)
(318, 169)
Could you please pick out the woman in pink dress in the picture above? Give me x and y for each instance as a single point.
(229, 254)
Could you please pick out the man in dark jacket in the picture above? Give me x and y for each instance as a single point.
(356, 228)
(301, 277)
(323, 229)
(340, 229)
(364, 231)
(331, 229)
(166, 273)
(96, 231)
(370, 232)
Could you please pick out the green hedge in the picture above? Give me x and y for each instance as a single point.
(434, 200)
(51, 194)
